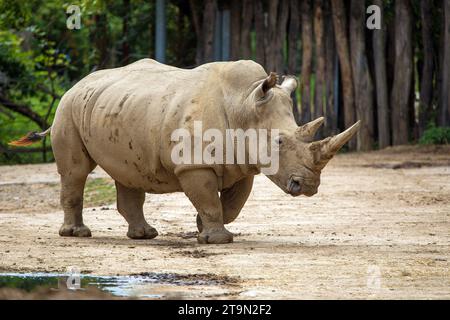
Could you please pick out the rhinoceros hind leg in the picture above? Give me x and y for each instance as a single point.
(201, 188)
(72, 202)
(74, 165)
(130, 205)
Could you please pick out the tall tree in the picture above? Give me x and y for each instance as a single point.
(235, 26)
(278, 16)
(330, 71)
(307, 46)
(100, 39)
(260, 29)
(343, 50)
(382, 94)
(320, 59)
(294, 27)
(125, 37)
(403, 71)
(198, 27)
(444, 114)
(209, 18)
(361, 77)
(426, 83)
(247, 21)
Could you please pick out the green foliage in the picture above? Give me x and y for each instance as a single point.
(33, 78)
(15, 64)
(14, 13)
(436, 135)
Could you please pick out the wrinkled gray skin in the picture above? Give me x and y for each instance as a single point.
(121, 119)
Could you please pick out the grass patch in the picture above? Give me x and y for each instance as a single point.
(99, 192)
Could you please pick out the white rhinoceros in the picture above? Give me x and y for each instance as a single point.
(122, 120)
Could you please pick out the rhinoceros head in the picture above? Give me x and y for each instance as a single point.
(301, 159)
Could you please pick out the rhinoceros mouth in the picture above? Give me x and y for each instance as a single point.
(294, 187)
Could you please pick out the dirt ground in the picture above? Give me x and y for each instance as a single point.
(378, 228)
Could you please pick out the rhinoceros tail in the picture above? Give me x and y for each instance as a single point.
(30, 138)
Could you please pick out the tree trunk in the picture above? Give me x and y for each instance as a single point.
(330, 71)
(100, 38)
(343, 50)
(283, 15)
(426, 83)
(235, 28)
(197, 22)
(307, 39)
(260, 29)
(382, 95)
(403, 70)
(247, 21)
(294, 26)
(125, 43)
(361, 76)
(271, 35)
(278, 16)
(444, 114)
(208, 30)
(320, 58)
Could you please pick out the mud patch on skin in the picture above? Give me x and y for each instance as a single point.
(125, 98)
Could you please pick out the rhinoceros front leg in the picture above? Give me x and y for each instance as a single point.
(130, 204)
(201, 187)
(233, 200)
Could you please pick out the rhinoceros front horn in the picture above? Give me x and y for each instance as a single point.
(332, 145)
(308, 130)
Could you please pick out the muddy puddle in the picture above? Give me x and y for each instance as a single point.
(142, 286)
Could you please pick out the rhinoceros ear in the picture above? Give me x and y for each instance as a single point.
(289, 84)
(263, 92)
(269, 82)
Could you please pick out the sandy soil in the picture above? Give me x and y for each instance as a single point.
(378, 228)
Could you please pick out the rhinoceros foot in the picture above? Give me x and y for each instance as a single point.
(215, 236)
(142, 232)
(71, 230)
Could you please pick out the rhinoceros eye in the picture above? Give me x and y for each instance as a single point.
(279, 140)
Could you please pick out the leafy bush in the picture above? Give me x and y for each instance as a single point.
(436, 135)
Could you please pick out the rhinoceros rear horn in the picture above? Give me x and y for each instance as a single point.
(307, 131)
(331, 145)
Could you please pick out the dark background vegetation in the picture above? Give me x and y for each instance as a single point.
(396, 80)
